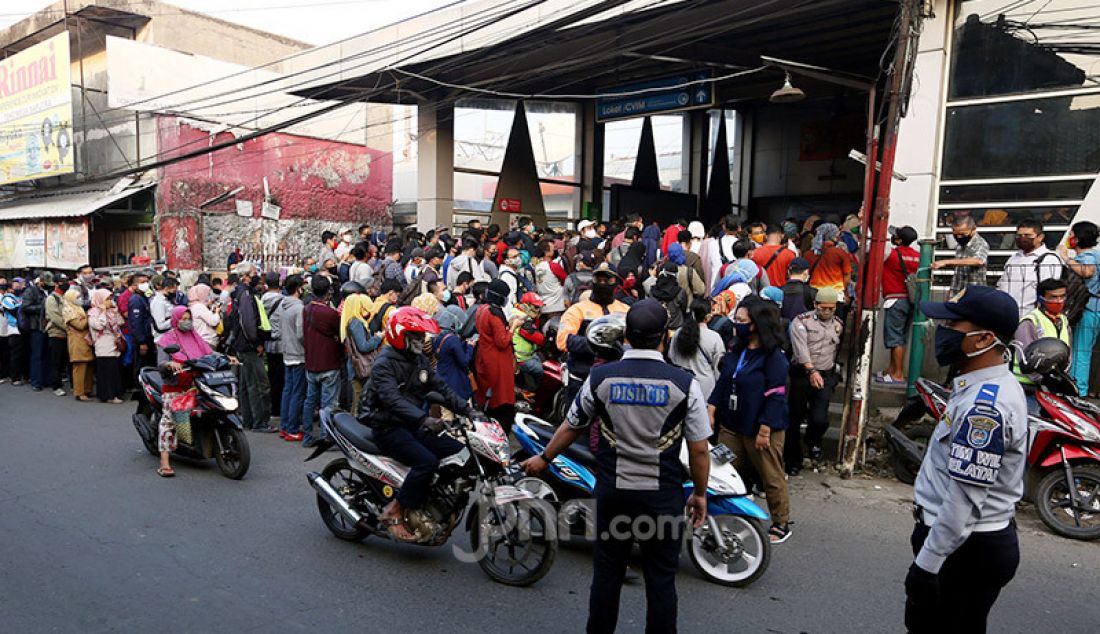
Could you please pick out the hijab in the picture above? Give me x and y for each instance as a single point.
(356, 306)
(191, 345)
(426, 302)
(632, 261)
(98, 299)
(826, 232)
(451, 319)
(199, 293)
(667, 287)
(676, 253)
(72, 309)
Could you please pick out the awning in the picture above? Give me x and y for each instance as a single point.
(70, 203)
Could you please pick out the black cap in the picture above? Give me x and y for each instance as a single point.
(645, 320)
(798, 265)
(982, 305)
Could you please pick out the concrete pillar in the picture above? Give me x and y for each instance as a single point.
(435, 166)
(696, 139)
(592, 144)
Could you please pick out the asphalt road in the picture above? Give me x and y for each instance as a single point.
(91, 540)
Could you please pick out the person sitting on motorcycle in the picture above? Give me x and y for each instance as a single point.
(394, 405)
(601, 301)
(176, 382)
(528, 338)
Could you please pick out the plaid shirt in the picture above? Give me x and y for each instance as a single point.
(970, 275)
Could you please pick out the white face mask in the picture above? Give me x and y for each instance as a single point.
(143, 287)
(590, 233)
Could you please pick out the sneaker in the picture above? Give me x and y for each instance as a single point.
(17, 383)
(36, 388)
(294, 437)
(3, 380)
(59, 392)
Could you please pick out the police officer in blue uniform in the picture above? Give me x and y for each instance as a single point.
(973, 472)
(647, 408)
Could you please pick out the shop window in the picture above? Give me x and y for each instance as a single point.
(553, 128)
(474, 192)
(1003, 47)
(481, 131)
(1033, 137)
(621, 140)
(997, 217)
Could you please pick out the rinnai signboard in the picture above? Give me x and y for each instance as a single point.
(36, 112)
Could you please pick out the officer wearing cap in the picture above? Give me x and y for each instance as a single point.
(973, 472)
(647, 408)
(574, 322)
(815, 341)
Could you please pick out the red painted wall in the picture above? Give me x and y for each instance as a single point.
(308, 178)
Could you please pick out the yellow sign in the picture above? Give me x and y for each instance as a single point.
(36, 112)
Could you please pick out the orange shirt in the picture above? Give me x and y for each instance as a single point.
(834, 269)
(777, 270)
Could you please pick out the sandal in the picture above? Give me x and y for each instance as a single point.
(779, 533)
(166, 472)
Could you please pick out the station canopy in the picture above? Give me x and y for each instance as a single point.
(571, 48)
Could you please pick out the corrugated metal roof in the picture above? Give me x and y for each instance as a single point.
(67, 204)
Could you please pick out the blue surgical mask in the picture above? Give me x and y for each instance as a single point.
(447, 295)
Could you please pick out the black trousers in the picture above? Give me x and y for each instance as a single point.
(419, 450)
(58, 352)
(655, 521)
(810, 406)
(5, 355)
(970, 581)
(18, 345)
(276, 376)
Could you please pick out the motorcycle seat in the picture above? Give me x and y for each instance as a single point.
(577, 452)
(153, 377)
(357, 433)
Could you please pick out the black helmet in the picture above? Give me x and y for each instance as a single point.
(351, 288)
(1044, 356)
(605, 336)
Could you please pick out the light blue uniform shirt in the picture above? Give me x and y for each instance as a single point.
(973, 472)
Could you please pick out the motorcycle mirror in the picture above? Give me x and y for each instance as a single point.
(435, 398)
(172, 349)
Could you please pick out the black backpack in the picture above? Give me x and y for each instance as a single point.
(1077, 290)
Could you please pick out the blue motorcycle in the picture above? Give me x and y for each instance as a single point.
(731, 548)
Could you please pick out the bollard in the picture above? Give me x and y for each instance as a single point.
(921, 324)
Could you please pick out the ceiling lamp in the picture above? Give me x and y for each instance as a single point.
(787, 93)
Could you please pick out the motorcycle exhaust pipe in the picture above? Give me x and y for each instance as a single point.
(325, 490)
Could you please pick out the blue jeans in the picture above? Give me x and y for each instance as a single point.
(39, 359)
(1084, 337)
(533, 367)
(322, 390)
(294, 396)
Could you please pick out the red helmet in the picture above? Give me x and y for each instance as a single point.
(405, 320)
(532, 299)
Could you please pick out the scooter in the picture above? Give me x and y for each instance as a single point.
(731, 548)
(1064, 459)
(215, 429)
(512, 531)
(908, 436)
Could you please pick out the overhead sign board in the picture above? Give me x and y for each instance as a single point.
(670, 94)
(36, 112)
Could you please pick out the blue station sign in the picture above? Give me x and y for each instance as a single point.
(669, 94)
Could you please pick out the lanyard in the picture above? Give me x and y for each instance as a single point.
(740, 364)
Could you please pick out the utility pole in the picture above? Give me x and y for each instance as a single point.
(869, 287)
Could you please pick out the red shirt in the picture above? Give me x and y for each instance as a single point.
(893, 279)
(670, 237)
(777, 270)
(321, 338)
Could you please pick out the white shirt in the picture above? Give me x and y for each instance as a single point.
(512, 280)
(549, 288)
(160, 308)
(1019, 278)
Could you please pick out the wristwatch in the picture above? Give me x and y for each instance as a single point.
(546, 458)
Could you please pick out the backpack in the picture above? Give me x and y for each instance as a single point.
(722, 253)
(1077, 290)
(523, 285)
(578, 287)
(344, 272)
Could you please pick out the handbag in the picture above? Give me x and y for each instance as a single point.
(361, 363)
(912, 291)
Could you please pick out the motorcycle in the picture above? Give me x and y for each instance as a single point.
(512, 532)
(1064, 459)
(1063, 456)
(908, 436)
(731, 548)
(547, 399)
(214, 431)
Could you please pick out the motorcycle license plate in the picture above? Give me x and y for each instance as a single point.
(721, 454)
(506, 493)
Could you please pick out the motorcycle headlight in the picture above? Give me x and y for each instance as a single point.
(1084, 427)
(227, 403)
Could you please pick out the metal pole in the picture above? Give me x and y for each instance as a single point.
(871, 276)
(921, 324)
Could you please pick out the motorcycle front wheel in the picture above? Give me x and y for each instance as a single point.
(906, 472)
(235, 457)
(1056, 507)
(348, 483)
(515, 546)
(745, 558)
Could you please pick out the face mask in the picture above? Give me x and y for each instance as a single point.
(185, 325)
(88, 279)
(603, 294)
(590, 233)
(515, 263)
(312, 268)
(415, 344)
(949, 345)
(332, 270)
(143, 287)
(446, 295)
(826, 314)
(1025, 244)
(758, 238)
(1072, 243)
(1052, 307)
(743, 331)
(3, 288)
(347, 239)
(962, 240)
